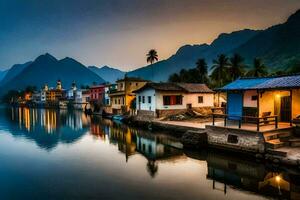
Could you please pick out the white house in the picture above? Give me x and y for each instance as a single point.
(161, 99)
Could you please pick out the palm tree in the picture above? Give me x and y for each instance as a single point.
(259, 69)
(236, 68)
(152, 56)
(220, 69)
(201, 65)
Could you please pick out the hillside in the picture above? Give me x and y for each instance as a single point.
(278, 46)
(14, 71)
(46, 69)
(187, 55)
(2, 74)
(109, 74)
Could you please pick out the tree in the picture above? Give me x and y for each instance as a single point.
(220, 69)
(174, 78)
(152, 57)
(259, 69)
(236, 68)
(201, 65)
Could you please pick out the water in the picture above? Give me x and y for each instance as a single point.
(47, 154)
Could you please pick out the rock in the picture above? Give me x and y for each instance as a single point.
(194, 139)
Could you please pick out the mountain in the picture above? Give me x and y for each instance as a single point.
(46, 69)
(186, 56)
(14, 71)
(3, 74)
(278, 47)
(108, 73)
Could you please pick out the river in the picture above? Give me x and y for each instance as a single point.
(50, 154)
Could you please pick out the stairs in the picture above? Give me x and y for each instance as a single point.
(277, 139)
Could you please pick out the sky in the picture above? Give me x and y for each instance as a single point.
(119, 33)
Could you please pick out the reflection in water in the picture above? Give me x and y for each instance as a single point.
(226, 174)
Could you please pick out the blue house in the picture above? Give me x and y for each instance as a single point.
(263, 97)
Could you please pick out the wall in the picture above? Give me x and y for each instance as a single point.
(160, 104)
(247, 140)
(268, 99)
(146, 105)
(296, 103)
(248, 102)
(208, 100)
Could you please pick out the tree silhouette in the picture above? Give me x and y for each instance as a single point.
(152, 57)
(220, 69)
(237, 65)
(201, 65)
(259, 69)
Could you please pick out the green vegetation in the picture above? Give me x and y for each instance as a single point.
(14, 95)
(225, 70)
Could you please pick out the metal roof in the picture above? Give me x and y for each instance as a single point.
(282, 82)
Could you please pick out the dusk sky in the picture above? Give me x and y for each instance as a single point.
(119, 33)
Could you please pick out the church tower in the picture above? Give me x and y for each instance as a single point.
(58, 85)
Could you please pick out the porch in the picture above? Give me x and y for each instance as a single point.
(258, 124)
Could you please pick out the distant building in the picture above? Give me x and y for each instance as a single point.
(97, 93)
(163, 99)
(123, 98)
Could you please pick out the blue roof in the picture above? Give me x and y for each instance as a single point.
(264, 83)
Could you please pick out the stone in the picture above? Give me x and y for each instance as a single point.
(194, 139)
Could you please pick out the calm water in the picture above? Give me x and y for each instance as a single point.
(47, 154)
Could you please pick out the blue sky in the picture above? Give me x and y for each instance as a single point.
(119, 33)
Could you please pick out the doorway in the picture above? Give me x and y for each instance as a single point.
(285, 109)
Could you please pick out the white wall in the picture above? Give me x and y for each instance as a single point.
(146, 106)
(160, 102)
(208, 99)
(248, 102)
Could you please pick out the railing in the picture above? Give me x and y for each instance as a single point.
(258, 121)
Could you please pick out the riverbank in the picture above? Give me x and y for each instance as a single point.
(248, 142)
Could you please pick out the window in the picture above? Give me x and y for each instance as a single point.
(232, 139)
(172, 100)
(149, 99)
(115, 101)
(119, 101)
(167, 100)
(143, 99)
(254, 98)
(140, 99)
(200, 99)
(136, 84)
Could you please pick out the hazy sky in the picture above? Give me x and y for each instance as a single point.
(119, 33)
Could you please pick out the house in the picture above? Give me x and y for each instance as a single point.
(163, 99)
(97, 93)
(259, 114)
(55, 94)
(108, 89)
(259, 97)
(123, 98)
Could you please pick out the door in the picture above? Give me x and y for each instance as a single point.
(235, 106)
(285, 109)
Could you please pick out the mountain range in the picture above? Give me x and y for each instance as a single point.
(46, 69)
(278, 47)
(109, 74)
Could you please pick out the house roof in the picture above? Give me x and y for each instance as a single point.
(178, 87)
(279, 82)
(195, 88)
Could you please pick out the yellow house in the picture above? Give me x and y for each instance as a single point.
(123, 97)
